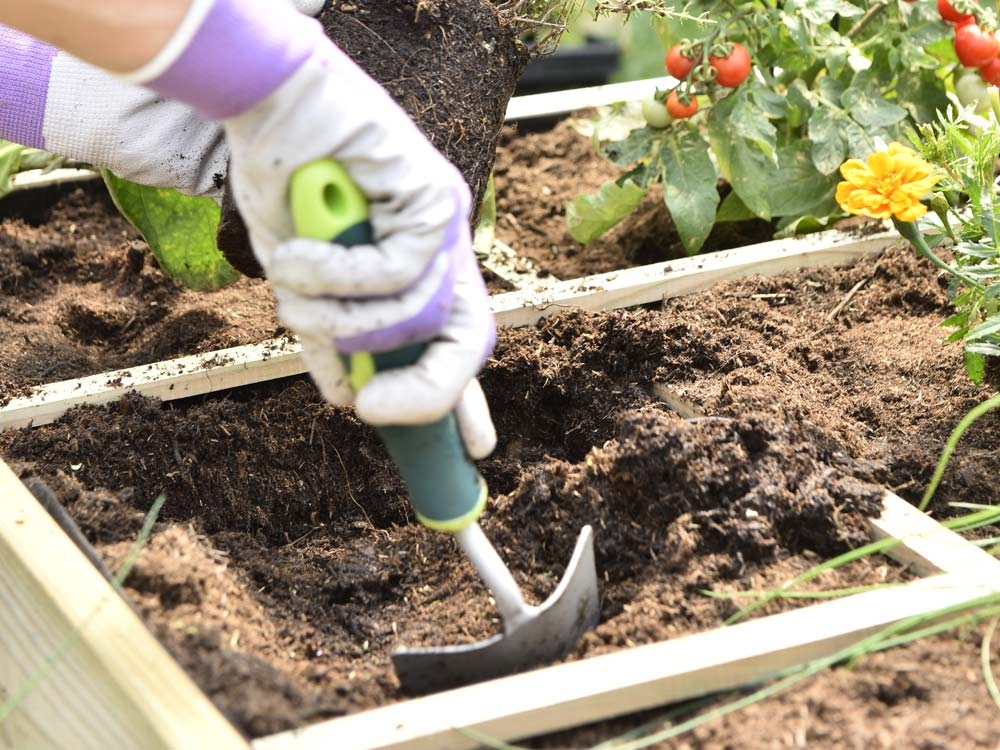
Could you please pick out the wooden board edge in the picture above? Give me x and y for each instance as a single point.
(109, 683)
(244, 365)
(39, 178)
(927, 546)
(624, 682)
(531, 106)
(168, 380)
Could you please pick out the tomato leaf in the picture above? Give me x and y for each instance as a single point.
(797, 187)
(743, 140)
(827, 138)
(733, 209)
(635, 146)
(871, 110)
(10, 163)
(179, 229)
(689, 187)
(590, 216)
(821, 11)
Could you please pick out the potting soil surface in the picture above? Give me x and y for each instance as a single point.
(286, 564)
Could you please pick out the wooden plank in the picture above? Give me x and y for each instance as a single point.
(927, 546)
(635, 679)
(659, 281)
(168, 380)
(244, 365)
(110, 683)
(571, 100)
(38, 178)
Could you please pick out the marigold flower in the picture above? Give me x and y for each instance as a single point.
(890, 184)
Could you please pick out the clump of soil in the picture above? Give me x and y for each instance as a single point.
(452, 65)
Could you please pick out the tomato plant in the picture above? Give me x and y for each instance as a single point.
(733, 67)
(990, 72)
(680, 61)
(974, 45)
(948, 12)
(654, 112)
(970, 90)
(832, 80)
(680, 108)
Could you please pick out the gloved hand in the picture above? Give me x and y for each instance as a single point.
(287, 96)
(52, 100)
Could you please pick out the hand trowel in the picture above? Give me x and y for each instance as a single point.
(447, 492)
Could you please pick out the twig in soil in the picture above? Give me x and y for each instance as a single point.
(48, 500)
(847, 298)
(677, 403)
(298, 539)
(347, 482)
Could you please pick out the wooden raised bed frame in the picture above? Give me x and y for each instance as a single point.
(100, 680)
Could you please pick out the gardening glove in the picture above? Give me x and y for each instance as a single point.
(287, 96)
(53, 101)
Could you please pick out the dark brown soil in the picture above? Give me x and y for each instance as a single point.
(286, 565)
(451, 64)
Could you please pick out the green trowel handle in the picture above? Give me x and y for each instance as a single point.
(446, 490)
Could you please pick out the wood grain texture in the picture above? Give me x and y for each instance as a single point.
(84, 671)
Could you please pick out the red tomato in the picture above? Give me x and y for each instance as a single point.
(949, 14)
(679, 109)
(991, 72)
(974, 46)
(732, 69)
(677, 63)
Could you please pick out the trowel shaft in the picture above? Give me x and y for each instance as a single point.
(495, 574)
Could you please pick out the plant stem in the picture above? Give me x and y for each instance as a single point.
(873, 12)
(908, 230)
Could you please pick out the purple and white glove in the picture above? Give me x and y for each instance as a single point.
(287, 96)
(53, 101)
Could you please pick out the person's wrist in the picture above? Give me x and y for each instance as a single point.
(228, 55)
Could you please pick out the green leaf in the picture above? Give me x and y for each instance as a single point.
(797, 187)
(984, 329)
(975, 366)
(486, 229)
(741, 117)
(743, 140)
(179, 229)
(821, 11)
(827, 139)
(871, 110)
(636, 146)
(922, 93)
(689, 187)
(10, 163)
(733, 209)
(590, 216)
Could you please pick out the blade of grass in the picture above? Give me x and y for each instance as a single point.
(949, 446)
(824, 594)
(850, 556)
(987, 664)
(983, 516)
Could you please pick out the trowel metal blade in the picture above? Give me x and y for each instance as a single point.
(571, 610)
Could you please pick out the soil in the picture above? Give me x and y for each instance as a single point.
(452, 65)
(286, 565)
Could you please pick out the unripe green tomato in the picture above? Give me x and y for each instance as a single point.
(970, 89)
(655, 113)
